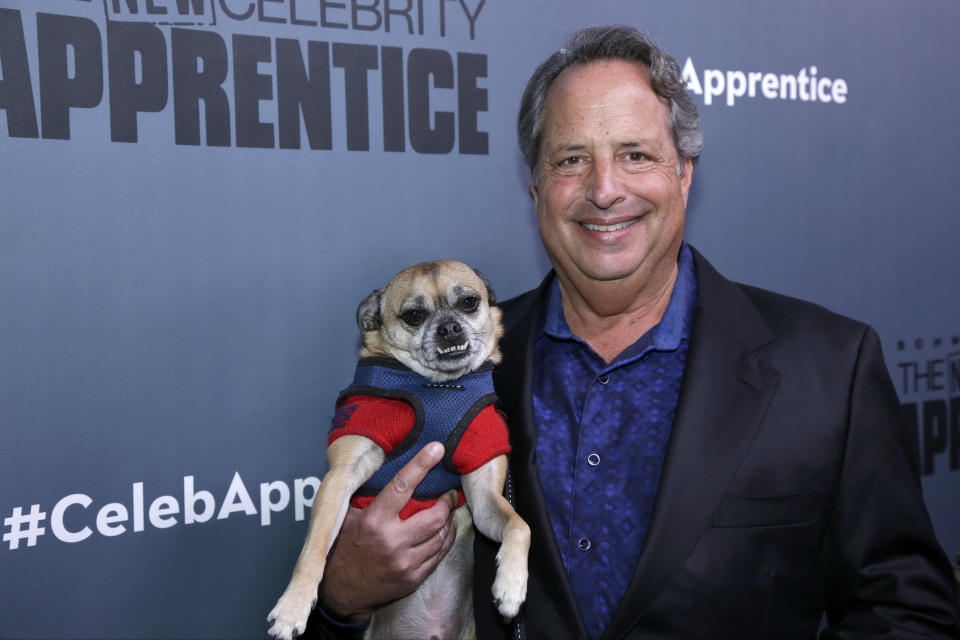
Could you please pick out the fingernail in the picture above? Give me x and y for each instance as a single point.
(434, 450)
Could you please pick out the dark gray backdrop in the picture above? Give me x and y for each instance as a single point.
(176, 319)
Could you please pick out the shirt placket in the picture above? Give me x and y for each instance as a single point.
(589, 538)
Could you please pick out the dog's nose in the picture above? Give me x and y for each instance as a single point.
(450, 331)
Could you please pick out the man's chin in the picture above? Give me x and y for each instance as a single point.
(604, 273)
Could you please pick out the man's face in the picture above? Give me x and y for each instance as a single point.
(610, 202)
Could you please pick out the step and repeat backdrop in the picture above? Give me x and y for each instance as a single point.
(197, 194)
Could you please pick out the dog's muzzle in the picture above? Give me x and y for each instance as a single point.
(451, 342)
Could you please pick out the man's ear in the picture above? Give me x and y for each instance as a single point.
(368, 313)
(686, 178)
(491, 296)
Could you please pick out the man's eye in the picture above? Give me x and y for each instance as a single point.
(636, 156)
(570, 161)
(470, 303)
(413, 317)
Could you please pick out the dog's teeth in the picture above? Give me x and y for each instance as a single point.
(459, 347)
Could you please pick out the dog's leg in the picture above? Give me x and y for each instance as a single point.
(353, 459)
(495, 518)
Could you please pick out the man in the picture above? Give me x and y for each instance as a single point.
(695, 458)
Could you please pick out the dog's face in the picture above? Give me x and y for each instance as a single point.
(436, 317)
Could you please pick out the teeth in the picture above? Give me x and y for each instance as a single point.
(608, 227)
(459, 347)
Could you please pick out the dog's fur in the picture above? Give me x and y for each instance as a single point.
(423, 318)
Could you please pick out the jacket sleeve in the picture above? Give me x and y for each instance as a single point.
(322, 626)
(884, 573)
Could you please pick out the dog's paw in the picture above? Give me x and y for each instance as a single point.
(510, 586)
(289, 617)
(283, 631)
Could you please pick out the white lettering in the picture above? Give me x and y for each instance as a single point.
(190, 500)
(237, 499)
(138, 506)
(162, 510)
(56, 518)
(770, 86)
(109, 515)
(268, 506)
(117, 518)
(690, 77)
(300, 501)
(713, 80)
(754, 79)
(788, 87)
(805, 85)
(839, 91)
(736, 86)
(823, 89)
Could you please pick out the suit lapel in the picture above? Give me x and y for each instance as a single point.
(726, 389)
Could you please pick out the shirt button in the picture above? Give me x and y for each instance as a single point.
(593, 459)
(604, 379)
(583, 544)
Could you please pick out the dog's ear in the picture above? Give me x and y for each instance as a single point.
(368, 313)
(491, 296)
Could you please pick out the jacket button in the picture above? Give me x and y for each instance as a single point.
(583, 544)
(593, 459)
(603, 379)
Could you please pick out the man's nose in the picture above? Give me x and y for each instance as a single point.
(605, 186)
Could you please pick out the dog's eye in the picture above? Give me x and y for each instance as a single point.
(470, 303)
(413, 317)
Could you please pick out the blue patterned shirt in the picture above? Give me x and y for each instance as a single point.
(603, 431)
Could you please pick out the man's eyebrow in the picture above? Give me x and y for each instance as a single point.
(565, 148)
(652, 148)
(642, 142)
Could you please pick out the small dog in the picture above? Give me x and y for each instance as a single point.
(429, 341)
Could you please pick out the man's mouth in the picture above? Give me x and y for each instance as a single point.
(608, 227)
(453, 351)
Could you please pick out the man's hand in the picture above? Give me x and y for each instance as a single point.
(378, 558)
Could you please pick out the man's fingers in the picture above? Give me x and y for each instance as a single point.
(430, 552)
(429, 522)
(395, 495)
(378, 557)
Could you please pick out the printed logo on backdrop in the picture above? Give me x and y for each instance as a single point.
(807, 84)
(189, 61)
(78, 517)
(927, 377)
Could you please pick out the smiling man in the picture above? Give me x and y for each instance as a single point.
(610, 192)
(696, 458)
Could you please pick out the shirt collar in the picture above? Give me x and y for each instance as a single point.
(677, 320)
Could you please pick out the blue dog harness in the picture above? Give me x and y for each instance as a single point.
(443, 412)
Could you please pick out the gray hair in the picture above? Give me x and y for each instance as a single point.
(604, 43)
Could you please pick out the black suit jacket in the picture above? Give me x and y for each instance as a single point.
(790, 487)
